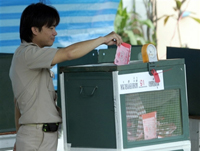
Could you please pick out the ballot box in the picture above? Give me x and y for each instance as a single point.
(7, 109)
(123, 108)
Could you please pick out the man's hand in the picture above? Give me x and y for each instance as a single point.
(113, 38)
(14, 148)
(17, 116)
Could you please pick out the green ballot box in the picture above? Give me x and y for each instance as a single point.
(122, 108)
(191, 57)
(7, 108)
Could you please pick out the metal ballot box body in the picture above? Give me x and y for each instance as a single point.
(7, 124)
(121, 108)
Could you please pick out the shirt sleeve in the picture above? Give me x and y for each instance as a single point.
(37, 57)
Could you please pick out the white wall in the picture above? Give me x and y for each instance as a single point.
(167, 35)
(189, 29)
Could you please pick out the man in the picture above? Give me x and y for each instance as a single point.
(36, 114)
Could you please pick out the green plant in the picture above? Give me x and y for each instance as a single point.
(130, 27)
(181, 14)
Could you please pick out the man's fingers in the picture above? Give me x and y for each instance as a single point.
(114, 38)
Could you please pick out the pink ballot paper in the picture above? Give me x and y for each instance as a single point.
(150, 125)
(123, 54)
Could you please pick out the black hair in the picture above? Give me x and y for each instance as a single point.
(37, 15)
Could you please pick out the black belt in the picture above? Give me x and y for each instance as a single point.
(50, 127)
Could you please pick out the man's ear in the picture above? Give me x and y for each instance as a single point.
(35, 30)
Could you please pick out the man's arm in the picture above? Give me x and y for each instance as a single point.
(17, 116)
(80, 49)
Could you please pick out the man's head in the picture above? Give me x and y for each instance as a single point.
(37, 15)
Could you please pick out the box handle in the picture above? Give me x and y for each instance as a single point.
(83, 93)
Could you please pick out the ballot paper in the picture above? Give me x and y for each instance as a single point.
(123, 54)
(150, 125)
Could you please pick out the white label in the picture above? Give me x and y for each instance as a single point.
(139, 82)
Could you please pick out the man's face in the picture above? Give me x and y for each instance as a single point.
(46, 36)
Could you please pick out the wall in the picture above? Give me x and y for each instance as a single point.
(189, 29)
(167, 34)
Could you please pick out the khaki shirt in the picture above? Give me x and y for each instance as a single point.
(32, 84)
